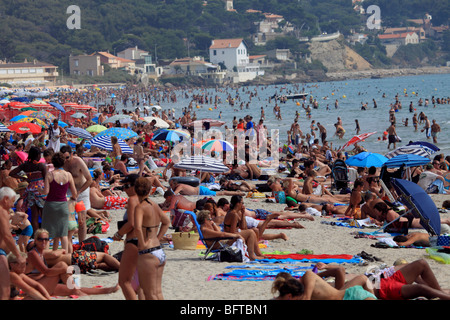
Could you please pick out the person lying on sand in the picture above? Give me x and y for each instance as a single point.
(185, 189)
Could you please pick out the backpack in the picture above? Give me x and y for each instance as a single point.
(92, 244)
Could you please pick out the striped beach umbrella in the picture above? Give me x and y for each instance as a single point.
(202, 163)
(412, 149)
(79, 132)
(217, 145)
(171, 135)
(3, 128)
(104, 142)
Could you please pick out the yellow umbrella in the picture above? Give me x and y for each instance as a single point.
(96, 128)
(33, 120)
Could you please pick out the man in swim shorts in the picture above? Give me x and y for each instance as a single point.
(188, 190)
(358, 293)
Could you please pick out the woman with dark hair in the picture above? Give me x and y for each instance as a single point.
(36, 172)
(150, 224)
(55, 214)
(235, 222)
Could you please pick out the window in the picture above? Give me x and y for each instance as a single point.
(215, 52)
(76, 62)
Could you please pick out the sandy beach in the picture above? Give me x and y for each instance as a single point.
(186, 275)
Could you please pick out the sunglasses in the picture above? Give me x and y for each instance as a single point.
(42, 239)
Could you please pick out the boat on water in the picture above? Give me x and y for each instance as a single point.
(296, 96)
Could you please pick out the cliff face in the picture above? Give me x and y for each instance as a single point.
(337, 57)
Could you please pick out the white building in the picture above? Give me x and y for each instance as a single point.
(230, 52)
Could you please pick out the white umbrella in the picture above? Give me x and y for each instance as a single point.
(160, 123)
(117, 117)
(412, 149)
(78, 115)
(79, 132)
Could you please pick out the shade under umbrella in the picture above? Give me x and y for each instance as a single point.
(415, 149)
(121, 133)
(104, 142)
(202, 163)
(79, 132)
(356, 139)
(420, 204)
(367, 160)
(406, 160)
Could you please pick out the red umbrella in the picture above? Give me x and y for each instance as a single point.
(25, 127)
(356, 139)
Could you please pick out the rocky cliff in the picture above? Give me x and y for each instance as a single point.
(336, 56)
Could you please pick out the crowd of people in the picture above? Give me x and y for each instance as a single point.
(53, 192)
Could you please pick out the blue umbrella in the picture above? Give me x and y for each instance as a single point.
(419, 203)
(425, 144)
(62, 124)
(121, 133)
(366, 160)
(104, 142)
(407, 160)
(171, 135)
(57, 106)
(18, 117)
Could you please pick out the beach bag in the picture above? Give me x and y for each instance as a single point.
(237, 252)
(93, 243)
(280, 196)
(94, 226)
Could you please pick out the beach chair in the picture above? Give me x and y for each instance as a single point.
(204, 240)
(339, 175)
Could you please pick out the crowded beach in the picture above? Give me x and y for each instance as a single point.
(140, 202)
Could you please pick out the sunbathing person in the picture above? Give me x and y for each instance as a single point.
(50, 277)
(235, 222)
(408, 281)
(100, 202)
(234, 185)
(419, 239)
(86, 260)
(174, 202)
(20, 281)
(292, 190)
(185, 189)
(320, 190)
(316, 288)
(353, 209)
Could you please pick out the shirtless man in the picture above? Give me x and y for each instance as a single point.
(82, 179)
(185, 189)
(392, 135)
(176, 202)
(7, 242)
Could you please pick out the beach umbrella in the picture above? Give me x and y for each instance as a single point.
(202, 163)
(121, 133)
(406, 160)
(78, 115)
(79, 132)
(33, 120)
(367, 160)
(424, 144)
(57, 106)
(217, 145)
(96, 128)
(28, 109)
(413, 150)
(43, 115)
(160, 123)
(117, 117)
(419, 204)
(18, 117)
(171, 135)
(27, 112)
(356, 139)
(25, 127)
(3, 128)
(104, 142)
(62, 124)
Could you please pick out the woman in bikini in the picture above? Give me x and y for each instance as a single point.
(116, 152)
(150, 224)
(128, 262)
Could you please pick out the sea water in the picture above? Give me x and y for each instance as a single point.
(351, 94)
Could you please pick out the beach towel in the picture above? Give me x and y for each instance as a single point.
(313, 258)
(245, 274)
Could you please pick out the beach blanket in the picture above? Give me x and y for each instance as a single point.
(258, 274)
(439, 254)
(313, 258)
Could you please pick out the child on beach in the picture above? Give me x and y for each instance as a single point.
(19, 221)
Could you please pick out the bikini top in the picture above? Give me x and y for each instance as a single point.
(150, 227)
(36, 271)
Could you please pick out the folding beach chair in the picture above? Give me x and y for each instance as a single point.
(209, 249)
(339, 175)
